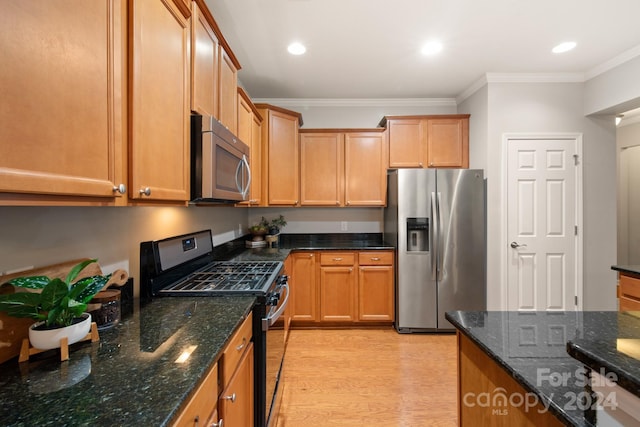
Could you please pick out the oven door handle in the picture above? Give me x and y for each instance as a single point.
(268, 321)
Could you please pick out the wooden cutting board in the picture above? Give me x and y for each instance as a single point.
(12, 329)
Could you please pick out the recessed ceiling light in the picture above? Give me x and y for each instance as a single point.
(296, 48)
(564, 47)
(431, 48)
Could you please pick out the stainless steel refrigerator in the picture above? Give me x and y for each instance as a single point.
(436, 219)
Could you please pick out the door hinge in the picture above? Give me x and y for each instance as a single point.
(576, 300)
(575, 159)
(575, 230)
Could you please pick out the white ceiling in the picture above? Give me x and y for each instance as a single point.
(371, 48)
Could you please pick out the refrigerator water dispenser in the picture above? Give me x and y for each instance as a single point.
(417, 234)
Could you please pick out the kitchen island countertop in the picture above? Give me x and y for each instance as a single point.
(129, 377)
(536, 349)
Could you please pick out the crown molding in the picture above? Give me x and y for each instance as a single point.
(535, 77)
(613, 62)
(476, 86)
(358, 102)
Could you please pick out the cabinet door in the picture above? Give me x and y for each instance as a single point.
(448, 143)
(245, 120)
(204, 65)
(236, 401)
(228, 89)
(159, 102)
(406, 143)
(321, 169)
(283, 161)
(63, 98)
(255, 197)
(375, 293)
(304, 295)
(365, 169)
(338, 294)
(202, 405)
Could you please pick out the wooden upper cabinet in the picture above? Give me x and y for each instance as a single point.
(321, 169)
(365, 163)
(63, 100)
(439, 141)
(448, 142)
(342, 167)
(228, 90)
(406, 143)
(250, 132)
(204, 64)
(159, 121)
(280, 155)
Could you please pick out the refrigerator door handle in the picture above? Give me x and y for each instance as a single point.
(440, 238)
(432, 239)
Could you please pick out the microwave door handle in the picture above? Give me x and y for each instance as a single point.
(268, 321)
(246, 165)
(239, 176)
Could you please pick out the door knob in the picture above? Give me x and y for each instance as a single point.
(515, 245)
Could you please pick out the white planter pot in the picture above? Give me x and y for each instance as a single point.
(48, 339)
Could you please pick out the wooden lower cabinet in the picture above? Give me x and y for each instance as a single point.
(236, 401)
(629, 293)
(304, 293)
(201, 409)
(479, 375)
(342, 288)
(338, 287)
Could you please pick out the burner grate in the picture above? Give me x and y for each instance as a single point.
(220, 276)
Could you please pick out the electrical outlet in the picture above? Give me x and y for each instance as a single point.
(343, 226)
(240, 231)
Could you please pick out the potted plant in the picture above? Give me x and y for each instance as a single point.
(259, 230)
(57, 305)
(276, 224)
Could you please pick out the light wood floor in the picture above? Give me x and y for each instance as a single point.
(367, 377)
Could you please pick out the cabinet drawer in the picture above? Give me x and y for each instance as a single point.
(375, 258)
(337, 258)
(627, 304)
(202, 404)
(234, 350)
(629, 287)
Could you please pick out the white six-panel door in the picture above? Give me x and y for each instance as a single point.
(543, 224)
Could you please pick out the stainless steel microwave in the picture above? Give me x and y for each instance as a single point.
(219, 163)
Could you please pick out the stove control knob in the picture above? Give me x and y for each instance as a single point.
(283, 279)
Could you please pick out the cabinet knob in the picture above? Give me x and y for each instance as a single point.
(348, 202)
(337, 203)
(310, 255)
(146, 191)
(241, 346)
(375, 258)
(420, 164)
(120, 188)
(337, 259)
(232, 398)
(295, 203)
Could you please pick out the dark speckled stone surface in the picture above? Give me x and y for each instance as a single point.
(629, 269)
(532, 348)
(333, 241)
(130, 376)
(614, 347)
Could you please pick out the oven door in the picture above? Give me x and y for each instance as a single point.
(273, 326)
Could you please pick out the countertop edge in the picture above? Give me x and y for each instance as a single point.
(593, 361)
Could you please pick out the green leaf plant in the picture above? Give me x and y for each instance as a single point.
(58, 302)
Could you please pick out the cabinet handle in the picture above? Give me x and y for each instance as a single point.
(310, 255)
(146, 191)
(295, 203)
(375, 258)
(241, 346)
(431, 164)
(348, 202)
(120, 188)
(420, 164)
(196, 421)
(218, 424)
(337, 259)
(232, 398)
(337, 203)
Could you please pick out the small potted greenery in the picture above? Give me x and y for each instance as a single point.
(57, 305)
(276, 224)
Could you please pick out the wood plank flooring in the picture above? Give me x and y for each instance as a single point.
(369, 377)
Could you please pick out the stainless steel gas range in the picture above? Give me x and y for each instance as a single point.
(185, 266)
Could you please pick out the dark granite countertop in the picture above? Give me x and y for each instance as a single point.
(532, 348)
(130, 377)
(334, 241)
(614, 347)
(633, 269)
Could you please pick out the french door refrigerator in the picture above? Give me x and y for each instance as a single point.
(436, 219)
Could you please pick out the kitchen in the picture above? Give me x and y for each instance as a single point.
(499, 104)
